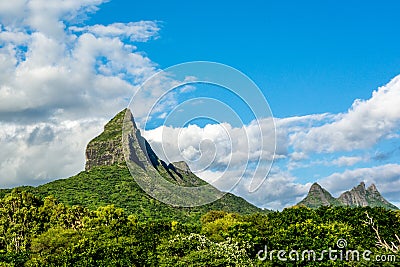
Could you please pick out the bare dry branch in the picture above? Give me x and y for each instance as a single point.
(395, 248)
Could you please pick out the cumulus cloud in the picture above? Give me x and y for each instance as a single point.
(365, 123)
(58, 84)
(285, 127)
(71, 74)
(278, 191)
(34, 154)
(280, 188)
(47, 17)
(216, 145)
(264, 136)
(385, 177)
(224, 156)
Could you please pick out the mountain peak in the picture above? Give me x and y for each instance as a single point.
(316, 187)
(182, 165)
(106, 148)
(318, 196)
(372, 189)
(360, 188)
(358, 196)
(120, 180)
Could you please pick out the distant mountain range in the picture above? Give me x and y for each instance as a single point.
(359, 196)
(107, 179)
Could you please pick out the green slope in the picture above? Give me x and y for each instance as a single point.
(105, 185)
(107, 179)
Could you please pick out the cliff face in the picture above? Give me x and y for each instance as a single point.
(359, 196)
(355, 197)
(107, 149)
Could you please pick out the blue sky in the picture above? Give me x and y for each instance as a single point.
(329, 70)
(323, 53)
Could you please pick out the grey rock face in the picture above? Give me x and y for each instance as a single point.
(181, 165)
(355, 197)
(359, 196)
(113, 147)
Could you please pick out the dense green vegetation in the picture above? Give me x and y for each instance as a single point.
(113, 129)
(106, 185)
(37, 231)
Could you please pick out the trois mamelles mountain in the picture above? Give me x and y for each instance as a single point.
(107, 180)
(359, 196)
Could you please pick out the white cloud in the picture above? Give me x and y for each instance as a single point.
(278, 191)
(385, 177)
(227, 159)
(140, 31)
(285, 127)
(58, 87)
(232, 146)
(35, 154)
(365, 123)
(68, 73)
(14, 38)
(347, 161)
(47, 17)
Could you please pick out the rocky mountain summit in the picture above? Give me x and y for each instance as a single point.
(107, 180)
(107, 149)
(359, 196)
(121, 145)
(318, 196)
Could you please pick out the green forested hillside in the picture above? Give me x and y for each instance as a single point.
(106, 185)
(107, 179)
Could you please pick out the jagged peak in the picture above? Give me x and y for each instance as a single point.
(128, 117)
(118, 118)
(181, 165)
(358, 196)
(317, 196)
(106, 148)
(360, 188)
(121, 140)
(372, 188)
(112, 129)
(316, 186)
